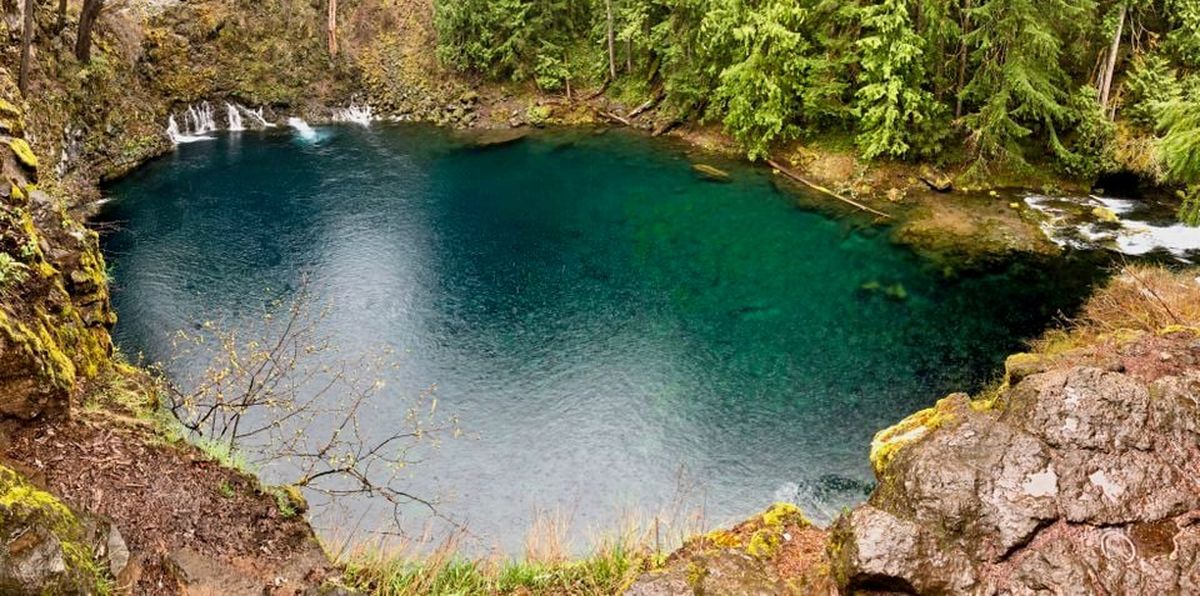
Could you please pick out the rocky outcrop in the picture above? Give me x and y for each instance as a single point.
(55, 312)
(777, 552)
(1080, 476)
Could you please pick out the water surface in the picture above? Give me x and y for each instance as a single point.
(613, 332)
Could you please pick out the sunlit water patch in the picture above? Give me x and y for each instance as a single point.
(614, 333)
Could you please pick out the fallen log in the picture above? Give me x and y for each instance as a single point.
(603, 88)
(650, 103)
(614, 117)
(821, 189)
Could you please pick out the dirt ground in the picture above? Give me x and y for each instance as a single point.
(191, 526)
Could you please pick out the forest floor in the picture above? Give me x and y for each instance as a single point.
(191, 524)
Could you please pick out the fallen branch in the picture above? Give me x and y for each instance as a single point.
(614, 117)
(823, 190)
(650, 103)
(598, 93)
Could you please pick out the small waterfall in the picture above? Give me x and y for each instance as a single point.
(302, 128)
(200, 119)
(193, 124)
(235, 117)
(356, 114)
(257, 115)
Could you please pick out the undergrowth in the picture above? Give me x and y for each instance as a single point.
(1140, 298)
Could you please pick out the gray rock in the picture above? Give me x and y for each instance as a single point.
(1080, 480)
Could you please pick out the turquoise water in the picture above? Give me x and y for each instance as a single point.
(613, 332)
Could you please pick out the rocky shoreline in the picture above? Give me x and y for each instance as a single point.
(1073, 473)
(1076, 475)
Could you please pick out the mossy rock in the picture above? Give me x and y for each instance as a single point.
(43, 547)
(890, 441)
(1019, 366)
(24, 153)
(1105, 215)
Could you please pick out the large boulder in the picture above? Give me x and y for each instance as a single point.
(1079, 478)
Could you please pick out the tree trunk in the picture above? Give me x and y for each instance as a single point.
(62, 16)
(26, 48)
(612, 42)
(963, 55)
(332, 28)
(1111, 67)
(87, 20)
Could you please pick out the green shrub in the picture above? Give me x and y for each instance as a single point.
(12, 272)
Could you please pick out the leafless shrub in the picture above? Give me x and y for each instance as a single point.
(280, 396)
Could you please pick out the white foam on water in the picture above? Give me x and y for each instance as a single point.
(355, 114)
(1063, 226)
(302, 128)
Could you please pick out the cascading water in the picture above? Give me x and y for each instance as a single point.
(257, 116)
(235, 117)
(302, 128)
(356, 114)
(201, 118)
(197, 122)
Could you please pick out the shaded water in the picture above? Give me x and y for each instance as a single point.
(613, 332)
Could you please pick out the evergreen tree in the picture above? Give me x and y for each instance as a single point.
(898, 117)
(1180, 151)
(1019, 84)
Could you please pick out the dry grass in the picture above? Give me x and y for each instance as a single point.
(1139, 298)
(549, 565)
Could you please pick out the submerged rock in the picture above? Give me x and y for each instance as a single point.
(494, 137)
(1076, 475)
(936, 180)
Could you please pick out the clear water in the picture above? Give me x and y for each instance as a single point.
(613, 332)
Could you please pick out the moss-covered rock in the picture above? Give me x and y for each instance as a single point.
(55, 316)
(889, 441)
(24, 153)
(43, 546)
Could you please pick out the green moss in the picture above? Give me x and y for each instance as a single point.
(55, 368)
(888, 442)
(1019, 366)
(289, 499)
(537, 115)
(1105, 214)
(8, 109)
(1173, 329)
(764, 544)
(696, 574)
(24, 153)
(20, 500)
